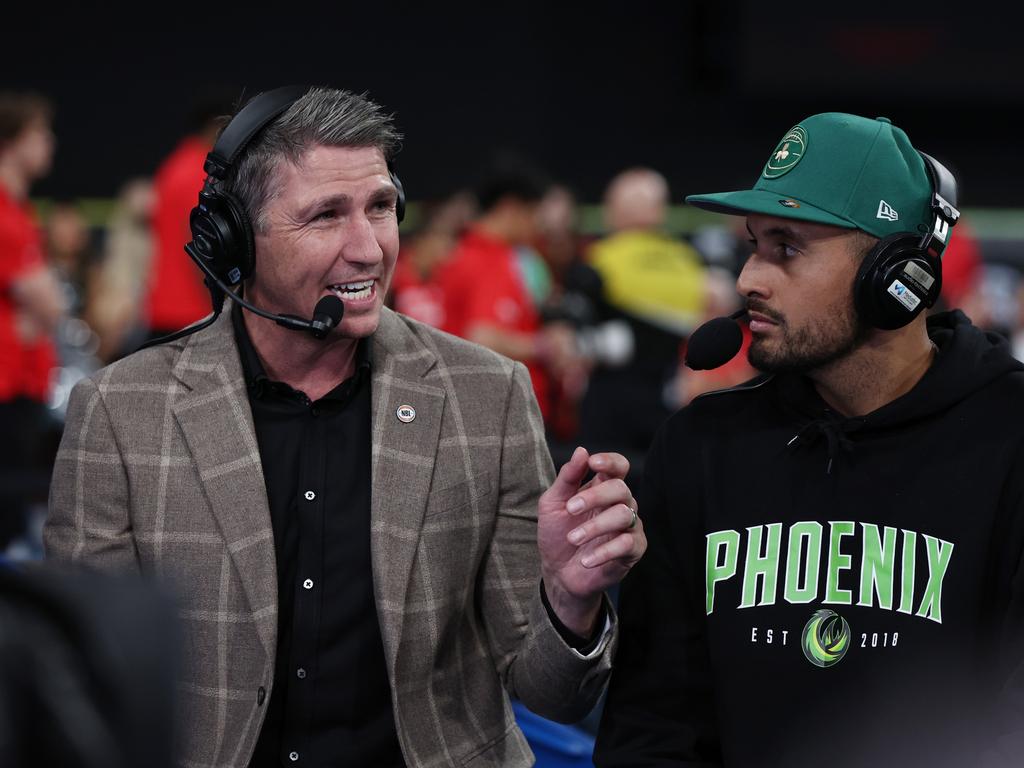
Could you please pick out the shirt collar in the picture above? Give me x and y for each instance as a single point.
(256, 379)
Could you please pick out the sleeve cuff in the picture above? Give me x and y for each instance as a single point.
(583, 647)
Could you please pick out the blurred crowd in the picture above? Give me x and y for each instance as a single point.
(599, 317)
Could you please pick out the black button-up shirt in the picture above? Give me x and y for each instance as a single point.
(331, 702)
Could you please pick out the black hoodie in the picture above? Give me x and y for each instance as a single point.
(832, 591)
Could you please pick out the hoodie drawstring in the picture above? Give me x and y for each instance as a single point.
(827, 427)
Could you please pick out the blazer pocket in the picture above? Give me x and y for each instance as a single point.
(445, 501)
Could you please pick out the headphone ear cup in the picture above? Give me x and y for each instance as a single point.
(222, 236)
(896, 281)
(243, 253)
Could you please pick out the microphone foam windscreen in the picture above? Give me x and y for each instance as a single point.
(330, 306)
(713, 344)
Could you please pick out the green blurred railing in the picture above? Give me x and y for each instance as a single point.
(987, 223)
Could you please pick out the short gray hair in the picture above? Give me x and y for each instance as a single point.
(322, 117)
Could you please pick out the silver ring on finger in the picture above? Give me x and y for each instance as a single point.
(632, 522)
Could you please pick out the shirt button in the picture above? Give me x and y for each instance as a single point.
(301, 673)
(261, 696)
(307, 584)
(293, 756)
(310, 495)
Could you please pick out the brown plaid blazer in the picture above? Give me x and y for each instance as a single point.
(159, 472)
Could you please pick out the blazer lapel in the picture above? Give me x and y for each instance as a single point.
(216, 420)
(406, 424)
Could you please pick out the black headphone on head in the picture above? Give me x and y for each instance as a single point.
(902, 274)
(222, 239)
(221, 231)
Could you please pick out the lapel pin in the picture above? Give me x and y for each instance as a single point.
(405, 413)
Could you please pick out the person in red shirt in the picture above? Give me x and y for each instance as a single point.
(415, 290)
(176, 296)
(31, 304)
(486, 298)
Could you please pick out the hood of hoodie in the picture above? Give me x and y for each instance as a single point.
(968, 359)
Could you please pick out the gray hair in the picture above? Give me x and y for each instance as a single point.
(322, 117)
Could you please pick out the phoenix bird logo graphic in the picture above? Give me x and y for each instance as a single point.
(826, 638)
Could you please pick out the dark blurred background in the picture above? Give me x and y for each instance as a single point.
(615, 102)
(701, 90)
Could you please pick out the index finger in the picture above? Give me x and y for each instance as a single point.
(567, 481)
(609, 465)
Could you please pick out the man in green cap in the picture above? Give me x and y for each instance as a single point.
(835, 572)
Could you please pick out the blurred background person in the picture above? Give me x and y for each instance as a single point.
(962, 266)
(74, 259)
(175, 295)
(415, 290)
(31, 307)
(559, 239)
(72, 255)
(1017, 337)
(490, 284)
(654, 289)
(115, 311)
(561, 244)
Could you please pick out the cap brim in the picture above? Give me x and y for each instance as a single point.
(749, 201)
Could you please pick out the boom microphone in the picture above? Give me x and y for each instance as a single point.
(326, 314)
(715, 343)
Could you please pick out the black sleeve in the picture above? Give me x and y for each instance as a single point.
(582, 645)
(660, 710)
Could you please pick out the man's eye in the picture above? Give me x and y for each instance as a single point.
(324, 215)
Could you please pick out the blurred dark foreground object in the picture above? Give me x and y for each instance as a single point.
(87, 670)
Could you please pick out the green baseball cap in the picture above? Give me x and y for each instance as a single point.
(838, 169)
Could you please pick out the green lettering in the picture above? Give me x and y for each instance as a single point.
(837, 562)
(715, 572)
(876, 566)
(765, 568)
(909, 569)
(796, 565)
(939, 554)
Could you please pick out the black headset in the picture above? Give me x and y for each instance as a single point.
(222, 240)
(221, 231)
(902, 274)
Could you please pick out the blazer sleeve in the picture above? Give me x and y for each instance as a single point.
(89, 520)
(535, 663)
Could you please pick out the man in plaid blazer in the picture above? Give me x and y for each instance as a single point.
(485, 572)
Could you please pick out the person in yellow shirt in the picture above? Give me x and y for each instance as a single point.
(654, 289)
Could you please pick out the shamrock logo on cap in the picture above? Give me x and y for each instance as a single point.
(787, 154)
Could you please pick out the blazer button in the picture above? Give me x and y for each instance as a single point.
(261, 696)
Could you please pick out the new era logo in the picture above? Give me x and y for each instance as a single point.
(886, 211)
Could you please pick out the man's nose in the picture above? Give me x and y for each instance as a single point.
(361, 244)
(751, 281)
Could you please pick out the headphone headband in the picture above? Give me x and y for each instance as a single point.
(943, 203)
(246, 124)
